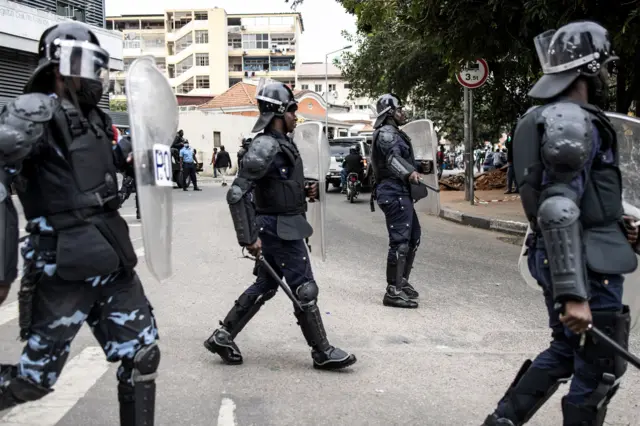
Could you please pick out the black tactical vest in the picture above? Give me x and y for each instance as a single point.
(601, 203)
(275, 195)
(73, 175)
(379, 160)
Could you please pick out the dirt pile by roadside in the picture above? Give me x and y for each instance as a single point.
(494, 179)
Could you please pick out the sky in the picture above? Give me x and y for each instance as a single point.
(323, 20)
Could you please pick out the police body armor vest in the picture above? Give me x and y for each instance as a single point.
(379, 161)
(275, 195)
(74, 175)
(601, 203)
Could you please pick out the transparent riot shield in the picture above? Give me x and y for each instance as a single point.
(314, 150)
(523, 264)
(425, 147)
(628, 132)
(153, 116)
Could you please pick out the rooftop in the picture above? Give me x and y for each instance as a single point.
(317, 69)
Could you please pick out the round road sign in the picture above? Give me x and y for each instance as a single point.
(474, 74)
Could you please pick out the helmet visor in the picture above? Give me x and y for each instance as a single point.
(85, 60)
(264, 82)
(563, 51)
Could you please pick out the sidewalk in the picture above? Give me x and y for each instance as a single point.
(492, 210)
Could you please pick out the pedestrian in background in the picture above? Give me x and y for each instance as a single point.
(188, 166)
(222, 163)
(213, 162)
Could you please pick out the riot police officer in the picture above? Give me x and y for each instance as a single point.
(268, 203)
(395, 169)
(56, 146)
(566, 165)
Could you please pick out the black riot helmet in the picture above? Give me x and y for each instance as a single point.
(274, 99)
(578, 49)
(76, 51)
(389, 105)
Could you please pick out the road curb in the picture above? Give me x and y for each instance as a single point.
(499, 225)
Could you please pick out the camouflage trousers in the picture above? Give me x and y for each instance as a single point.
(53, 310)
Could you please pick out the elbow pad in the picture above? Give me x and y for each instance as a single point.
(9, 235)
(559, 221)
(400, 167)
(243, 212)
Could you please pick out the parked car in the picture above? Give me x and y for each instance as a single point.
(339, 150)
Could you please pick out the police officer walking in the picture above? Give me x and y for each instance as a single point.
(188, 165)
(268, 203)
(395, 169)
(56, 146)
(566, 165)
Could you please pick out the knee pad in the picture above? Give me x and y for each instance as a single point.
(402, 250)
(307, 292)
(145, 363)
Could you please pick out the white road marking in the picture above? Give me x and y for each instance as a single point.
(140, 251)
(227, 415)
(79, 375)
(8, 312)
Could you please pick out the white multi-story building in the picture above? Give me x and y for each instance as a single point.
(204, 52)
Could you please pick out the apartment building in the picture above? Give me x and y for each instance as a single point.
(205, 52)
(22, 22)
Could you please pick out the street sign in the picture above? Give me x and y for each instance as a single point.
(474, 74)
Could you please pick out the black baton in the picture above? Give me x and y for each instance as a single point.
(429, 186)
(619, 350)
(282, 285)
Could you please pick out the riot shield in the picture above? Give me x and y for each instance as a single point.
(153, 116)
(425, 147)
(523, 264)
(628, 132)
(314, 150)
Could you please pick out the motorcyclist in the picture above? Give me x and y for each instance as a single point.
(353, 163)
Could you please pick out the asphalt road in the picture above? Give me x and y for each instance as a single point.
(446, 363)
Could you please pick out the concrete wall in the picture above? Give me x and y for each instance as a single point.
(199, 128)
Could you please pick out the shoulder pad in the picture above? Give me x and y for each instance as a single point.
(568, 138)
(259, 156)
(22, 124)
(35, 107)
(387, 136)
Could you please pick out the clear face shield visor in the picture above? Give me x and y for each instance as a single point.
(84, 60)
(559, 52)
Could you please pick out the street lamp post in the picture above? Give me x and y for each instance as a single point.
(326, 88)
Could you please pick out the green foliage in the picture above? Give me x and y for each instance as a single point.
(118, 105)
(414, 48)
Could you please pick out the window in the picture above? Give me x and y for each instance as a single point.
(217, 142)
(200, 16)
(332, 87)
(202, 81)
(256, 64)
(281, 20)
(234, 41)
(318, 88)
(347, 85)
(202, 37)
(202, 59)
(305, 87)
(255, 41)
(281, 64)
(281, 40)
(68, 11)
(184, 65)
(186, 87)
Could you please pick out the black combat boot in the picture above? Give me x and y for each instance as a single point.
(406, 287)
(221, 341)
(395, 295)
(15, 390)
(127, 401)
(531, 388)
(582, 415)
(325, 356)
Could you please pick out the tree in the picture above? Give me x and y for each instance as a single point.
(415, 48)
(118, 105)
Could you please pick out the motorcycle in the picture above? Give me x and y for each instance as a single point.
(353, 187)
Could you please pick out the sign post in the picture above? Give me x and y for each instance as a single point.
(472, 76)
